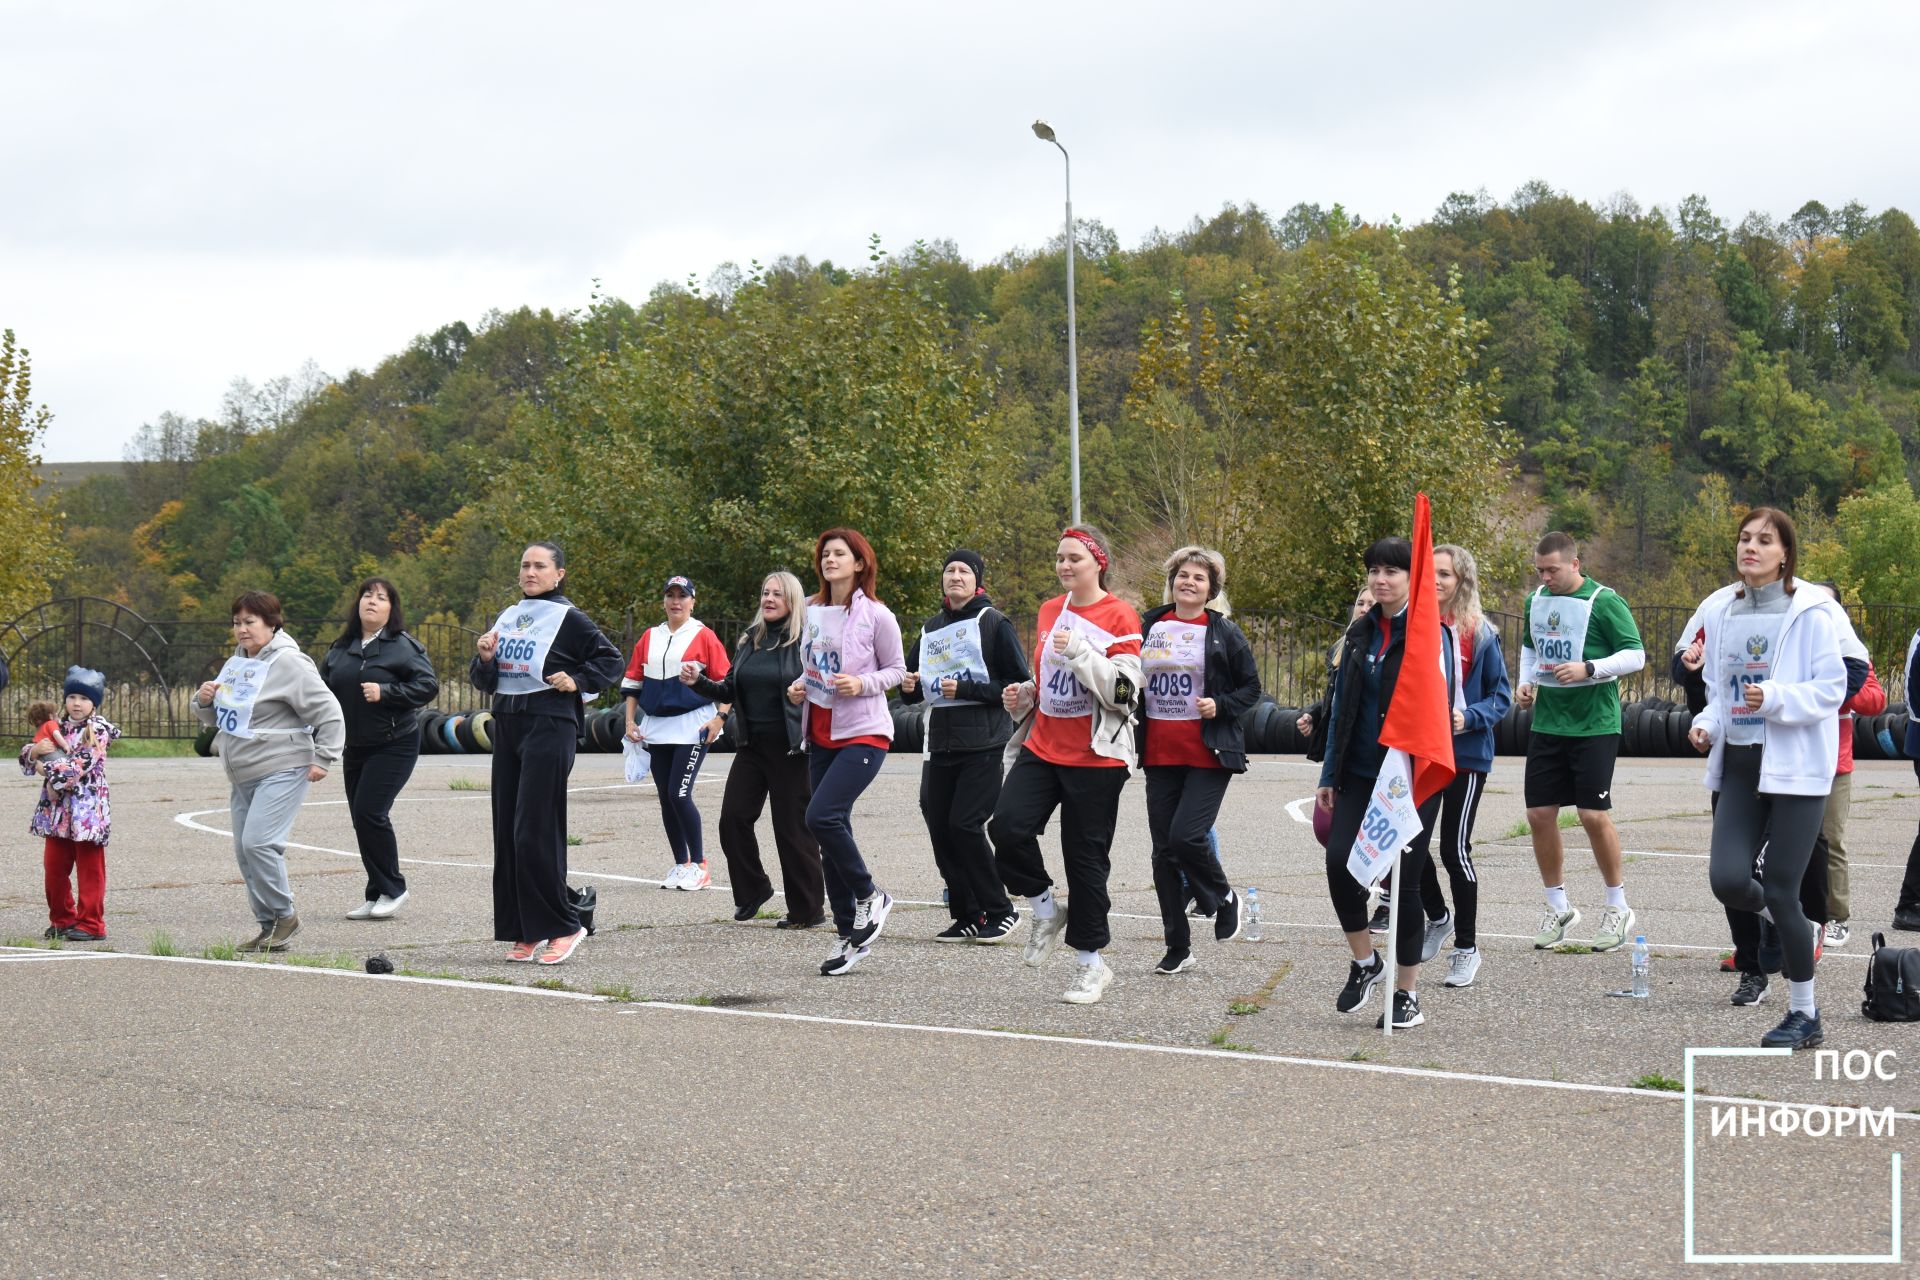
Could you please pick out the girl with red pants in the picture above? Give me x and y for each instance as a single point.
(72, 813)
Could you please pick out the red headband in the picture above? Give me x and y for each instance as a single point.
(1086, 539)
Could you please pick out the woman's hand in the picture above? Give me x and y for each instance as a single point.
(1702, 741)
(689, 672)
(370, 691)
(315, 773)
(1756, 696)
(797, 692)
(1523, 696)
(486, 645)
(1059, 637)
(950, 687)
(1323, 799)
(1304, 725)
(207, 690)
(563, 682)
(633, 732)
(910, 682)
(715, 727)
(847, 686)
(1208, 708)
(1010, 699)
(1696, 655)
(1459, 721)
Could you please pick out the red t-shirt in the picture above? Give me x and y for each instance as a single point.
(820, 733)
(1178, 742)
(1068, 739)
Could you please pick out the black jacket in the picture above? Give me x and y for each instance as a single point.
(1344, 717)
(399, 665)
(984, 726)
(579, 649)
(727, 691)
(1231, 679)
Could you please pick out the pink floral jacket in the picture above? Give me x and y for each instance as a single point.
(73, 795)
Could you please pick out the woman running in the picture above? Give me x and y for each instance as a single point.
(1775, 680)
(676, 722)
(1071, 748)
(1199, 679)
(852, 657)
(769, 760)
(1485, 695)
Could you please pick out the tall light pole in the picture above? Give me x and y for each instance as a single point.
(1044, 131)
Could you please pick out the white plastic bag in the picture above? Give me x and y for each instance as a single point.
(637, 760)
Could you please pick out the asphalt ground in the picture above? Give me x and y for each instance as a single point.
(723, 1108)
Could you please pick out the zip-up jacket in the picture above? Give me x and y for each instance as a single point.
(1488, 694)
(653, 676)
(1803, 693)
(579, 648)
(1230, 678)
(727, 691)
(980, 721)
(869, 649)
(400, 666)
(1344, 715)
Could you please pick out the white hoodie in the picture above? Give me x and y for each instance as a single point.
(1802, 698)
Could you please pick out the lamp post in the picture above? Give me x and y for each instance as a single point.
(1044, 131)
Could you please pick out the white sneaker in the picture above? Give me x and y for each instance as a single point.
(362, 912)
(1462, 967)
(675, 876)
(1838, 932)
(385, 907)
(694, 877)
(1044, 937)
(1089, 983)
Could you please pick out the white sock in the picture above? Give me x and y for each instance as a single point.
(1557, 898)
(1800, 998)
(1466, 951)
(1042, 906)
(1617, 896)
(1091, 958)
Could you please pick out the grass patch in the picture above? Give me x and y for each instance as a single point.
(38, 944)
(1654, 1080)
(1569, 819)
(770, 913)
(574, 842)
(225, 949)
(1515, 831)
(1361, 1055)
(1219, 1041)
(151, 748)
(699, 1001)
(438, 975)
(316, 960)
(469, 784)
(1573, 949)
(550, 984)
(1241, 1008)
(497, 980)
(615, 991)
(160, 943)
(1432, 1066)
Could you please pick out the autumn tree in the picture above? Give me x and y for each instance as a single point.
(29, 524)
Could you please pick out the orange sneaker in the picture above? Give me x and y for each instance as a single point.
(521, 952)
(560, 948)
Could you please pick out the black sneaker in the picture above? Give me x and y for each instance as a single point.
(1752, 989)
(996, 928)
(846, 954)
(958, 931)
(1770, 955)
(1406, 1012)
(1175, 962)
(77, 934)
(1907, 918)
(1382, 917)
(1796, 1031)
(1361, 981)
(1226, 919)
(794, 922)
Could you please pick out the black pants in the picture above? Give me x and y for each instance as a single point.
(532, 756)
(1744, 818)
(1459, 806)
(763, 770)
(374, 775)
(1088, 798)
(1910, 884)
(958, 790)
(1182, 805)
(1350, 802)
(674, 766)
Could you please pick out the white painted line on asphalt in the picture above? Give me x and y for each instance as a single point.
(31, 955)
(269, 966)
(1296, 809)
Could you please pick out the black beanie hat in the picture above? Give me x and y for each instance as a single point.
(972, 560)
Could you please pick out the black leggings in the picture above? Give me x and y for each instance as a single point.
(1459, 806)
(1910, 883)
(1350, 801)
(674, 766)
(1791, 825)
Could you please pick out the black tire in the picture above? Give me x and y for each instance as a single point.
(609, 728)
(1630, 731)
(463, 733)
(431, 743)
(1865, 745)
(909, 728)
(1897, 726)
(1268, 731)
(1679, 723)
(1292, 741)
(1522, 731)
(1653, 731)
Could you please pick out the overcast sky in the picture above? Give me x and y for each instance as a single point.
(191, 193)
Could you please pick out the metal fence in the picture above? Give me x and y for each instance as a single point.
(153, 667)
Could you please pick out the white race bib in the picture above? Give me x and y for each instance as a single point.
(1558, 626)
(1748, 645)
(951, 653)
(1173, 659)
(1390, 824)
(1062, 696)
(820, 653)
(526, 631)
(239, 684)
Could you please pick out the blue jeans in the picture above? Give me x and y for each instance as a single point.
(839, 776)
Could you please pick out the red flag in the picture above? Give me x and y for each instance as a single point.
(1420, 716)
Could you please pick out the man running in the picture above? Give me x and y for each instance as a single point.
(1579, 640)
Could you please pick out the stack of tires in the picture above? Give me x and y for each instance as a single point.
(1655, 727)
(1881, 737)
(461, 733)
(909, 727)
(603, 731)
(1272, 729)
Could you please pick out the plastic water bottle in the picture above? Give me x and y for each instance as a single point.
(1253, 932)
(1641, 963)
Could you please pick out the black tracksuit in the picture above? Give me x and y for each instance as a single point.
(769, 763)
(535, 736)
(960, 779)
(383, 740)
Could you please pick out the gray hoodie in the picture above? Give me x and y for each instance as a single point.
(292, 697)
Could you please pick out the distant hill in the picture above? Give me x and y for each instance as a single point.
(64, 475)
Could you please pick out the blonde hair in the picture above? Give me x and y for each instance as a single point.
(1207, 558)
(795, 627)
(1468, 617)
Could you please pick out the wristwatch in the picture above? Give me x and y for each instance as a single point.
(1589, 671)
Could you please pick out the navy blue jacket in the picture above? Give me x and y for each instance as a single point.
(1487, 695)
(1913, 725)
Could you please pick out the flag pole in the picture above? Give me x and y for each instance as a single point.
(1393, 937)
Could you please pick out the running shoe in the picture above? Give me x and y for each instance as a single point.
(1838, 933)
(1089, 983)
(1226, 919)
(674, 876)
(1382, 917)
(522, 952)
(695, 878)
(1752, 989)
(1361, 980)
(1728, 964)
(1406, 1012)
(1554, 926)
(870, 915)
(362, 912)
(257, 943)
(560, 949)
(1796, 1031)
(1043, 937)
(384, 907)
(1463, 966)
(1175, 962)
(845, 956)
(1906, 918)
(1616, 926)
(959, 931)
(996, 929)
(282, 936)
(1438, 931)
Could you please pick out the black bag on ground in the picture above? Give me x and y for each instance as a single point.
(584, 901)
(1893, 983)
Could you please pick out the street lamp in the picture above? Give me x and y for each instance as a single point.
(1044, 131)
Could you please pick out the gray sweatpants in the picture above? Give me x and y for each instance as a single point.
(263, 813)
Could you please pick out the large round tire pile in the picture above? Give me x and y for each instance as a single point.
(461, 733)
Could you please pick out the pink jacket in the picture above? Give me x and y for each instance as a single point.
(869, 648)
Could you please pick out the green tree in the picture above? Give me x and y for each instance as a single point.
(29, 525)
(1777, 439)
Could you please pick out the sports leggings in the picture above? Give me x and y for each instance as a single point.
(674, 766)
(1460, 805)
(1791, 824)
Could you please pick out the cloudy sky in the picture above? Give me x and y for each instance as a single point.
(195, 192)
